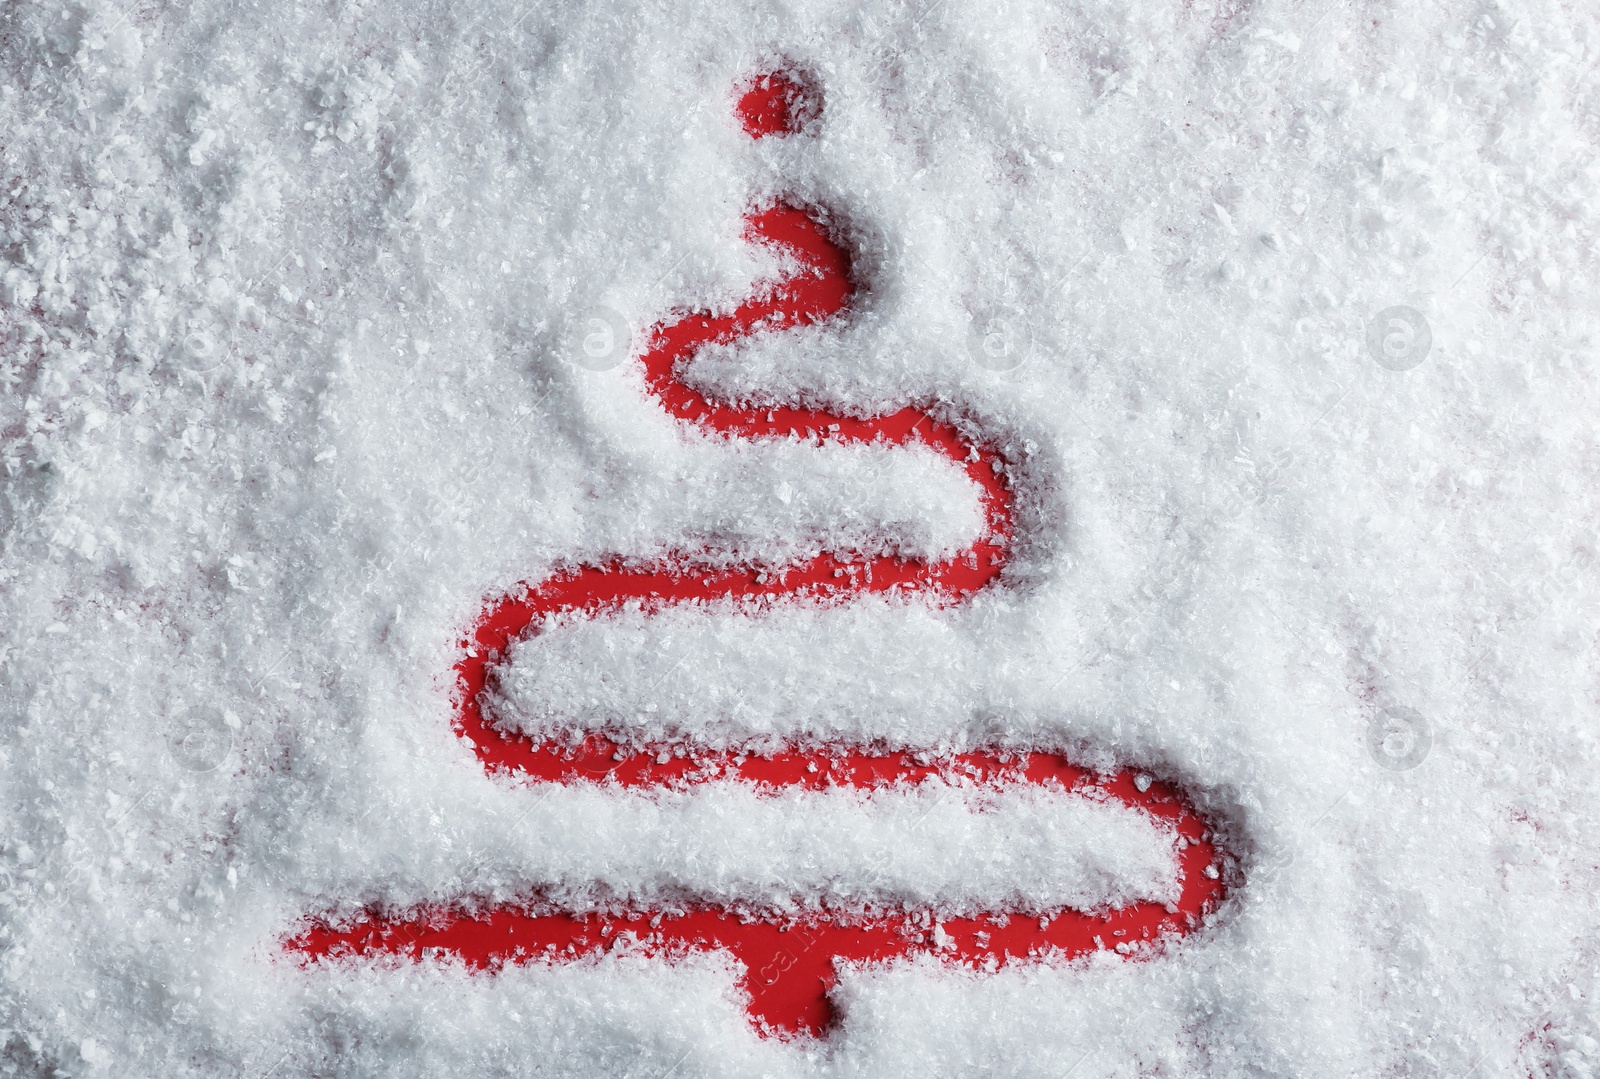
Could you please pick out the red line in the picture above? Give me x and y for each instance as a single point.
(791, 963)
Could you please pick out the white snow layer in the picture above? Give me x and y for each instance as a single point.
(283, 291)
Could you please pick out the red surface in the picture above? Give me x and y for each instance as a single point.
(779, 103)
(790, 964)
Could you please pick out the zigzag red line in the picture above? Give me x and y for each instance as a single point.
(791, 962)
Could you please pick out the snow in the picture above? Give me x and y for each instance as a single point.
(283, 296)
